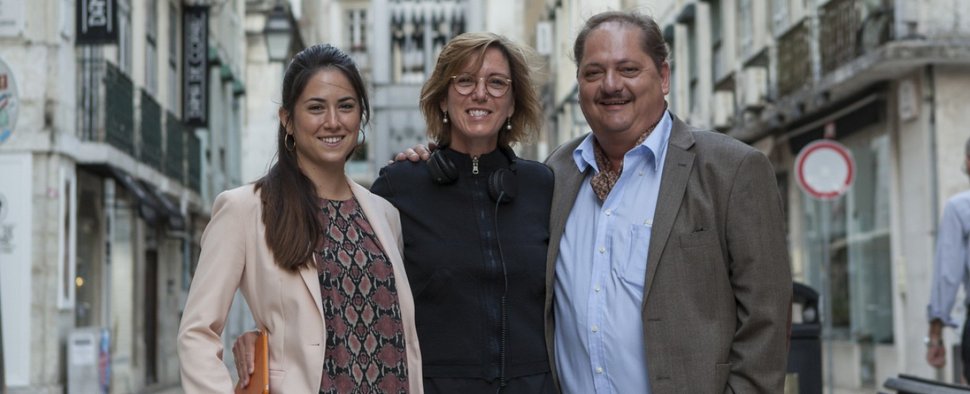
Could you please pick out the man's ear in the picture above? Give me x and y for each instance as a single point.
(665, 77)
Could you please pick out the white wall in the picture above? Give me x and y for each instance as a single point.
(505, 17)
(16, 232)
(263, 80)
(953, 94)
(914, 229)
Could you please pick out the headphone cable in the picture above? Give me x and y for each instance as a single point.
(503, 302)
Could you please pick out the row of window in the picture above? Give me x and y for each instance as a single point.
(153, 16)
(770, 39)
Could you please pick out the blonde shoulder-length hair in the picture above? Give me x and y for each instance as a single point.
(527, 118)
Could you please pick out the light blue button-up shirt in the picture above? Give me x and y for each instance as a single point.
(952, 265)
(600, 273)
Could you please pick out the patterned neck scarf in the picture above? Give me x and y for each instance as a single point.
(606, 178)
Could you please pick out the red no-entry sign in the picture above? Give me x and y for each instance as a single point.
(825, 169)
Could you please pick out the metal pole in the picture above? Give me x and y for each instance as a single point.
(827, 292)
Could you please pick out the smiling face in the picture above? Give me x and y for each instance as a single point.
(477, 118)
(325, 121)
(621, 92)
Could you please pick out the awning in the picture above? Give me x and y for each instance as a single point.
(144, 203)
(150, 203)
(174, 218)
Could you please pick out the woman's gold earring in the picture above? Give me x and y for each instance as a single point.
(508, 124)
(289, 145)
(445, 119)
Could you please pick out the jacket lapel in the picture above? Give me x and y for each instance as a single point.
(568, 179)
(312, 281)
(377, 222)
(309, 272)
(673, 184)
(310, 278)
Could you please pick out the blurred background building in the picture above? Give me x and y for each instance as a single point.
(121, 120)
(887, 78)
(128, 116)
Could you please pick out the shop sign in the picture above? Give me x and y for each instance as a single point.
(195, 69)
(97, 22)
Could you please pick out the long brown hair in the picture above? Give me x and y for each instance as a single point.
(289, 198)
(527, 118)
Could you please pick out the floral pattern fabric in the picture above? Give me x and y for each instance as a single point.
(365, 334)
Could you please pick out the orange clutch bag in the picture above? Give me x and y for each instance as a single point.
(259, 381)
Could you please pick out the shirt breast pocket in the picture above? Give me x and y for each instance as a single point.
(633, 266)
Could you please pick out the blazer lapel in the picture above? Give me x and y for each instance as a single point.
(673, 184)
(377, 222)
(312, 281)
(310, 278)
(568, 179)
(309, 273)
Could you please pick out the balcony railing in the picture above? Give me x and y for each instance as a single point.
(119, 120)
(794, 59)
(150, 147)
(195, 160)
(174, 148)
(850, 28)
(106, 115)
(90, 109)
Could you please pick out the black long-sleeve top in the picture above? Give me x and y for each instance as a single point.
(454, 265)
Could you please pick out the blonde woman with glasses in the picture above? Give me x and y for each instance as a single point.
(475, 220)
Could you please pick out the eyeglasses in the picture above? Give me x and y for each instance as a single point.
(496, 86)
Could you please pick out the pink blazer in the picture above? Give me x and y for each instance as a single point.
(284, 304)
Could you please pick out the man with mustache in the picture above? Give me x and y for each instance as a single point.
(668, 265)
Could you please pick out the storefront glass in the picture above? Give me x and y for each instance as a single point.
(858, 245)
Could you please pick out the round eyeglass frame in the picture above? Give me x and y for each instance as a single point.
(488, 89)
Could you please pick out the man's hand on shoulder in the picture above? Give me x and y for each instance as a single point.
(419, 152)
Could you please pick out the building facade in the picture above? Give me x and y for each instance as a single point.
(127, 122)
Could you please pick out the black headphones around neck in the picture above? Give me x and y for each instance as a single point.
(502, 187)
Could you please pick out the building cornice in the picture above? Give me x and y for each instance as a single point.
(888, 62)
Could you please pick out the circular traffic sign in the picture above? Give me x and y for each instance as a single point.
(825, 169)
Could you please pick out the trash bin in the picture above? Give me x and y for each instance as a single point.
(805, 351)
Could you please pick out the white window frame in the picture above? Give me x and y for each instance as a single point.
(173, 57)
(124, 37)
(151, 47)
(746, 26)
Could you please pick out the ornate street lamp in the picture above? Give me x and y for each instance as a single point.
(279, 34)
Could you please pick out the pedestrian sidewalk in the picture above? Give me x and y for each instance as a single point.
(173, 389)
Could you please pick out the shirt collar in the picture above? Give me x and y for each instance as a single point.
(653, 147)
